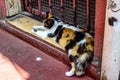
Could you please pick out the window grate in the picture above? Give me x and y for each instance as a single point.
(56, 8)
(34, 4)
(45, 5)
(81, 13)
(75, 12)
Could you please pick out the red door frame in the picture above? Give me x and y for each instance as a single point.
(3, 11)
(99, 27)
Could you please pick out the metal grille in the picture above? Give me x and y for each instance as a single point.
(34, 4)
(81, 13)
(56, 8)
(92, 14)
(45, 5)
(75, 12)
(68, 11)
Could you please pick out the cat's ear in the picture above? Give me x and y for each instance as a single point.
(48, 15)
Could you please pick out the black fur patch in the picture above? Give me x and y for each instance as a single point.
(111, 21)
(49, 23)
(59, 35)
(51, 35)
(70, 45)
(79, 36)
(35, 30)
(56, 19)
(84, 65)
(81, 49)
(56, 31)
(72, 58)
(90, 58)
(47, 13)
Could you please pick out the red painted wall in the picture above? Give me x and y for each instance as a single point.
(99, 27)
(2, 9)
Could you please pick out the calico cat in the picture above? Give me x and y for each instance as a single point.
(77, 43)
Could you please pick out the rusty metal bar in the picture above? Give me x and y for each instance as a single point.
(39, 7)
(26, 4)
(62, 9)
(30, 6)
(50, 6)
(88, 14)
(74, 11)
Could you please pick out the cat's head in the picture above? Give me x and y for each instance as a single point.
(50, 21)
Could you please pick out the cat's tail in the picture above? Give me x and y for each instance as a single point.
(82, 63)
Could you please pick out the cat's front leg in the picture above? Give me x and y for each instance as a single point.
(39, 28)
(72, 71)
(41, 34)
(51, 35)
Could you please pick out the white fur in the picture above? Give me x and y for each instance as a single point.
(69, 52)
(72, 71)
(39, 27)
(41, 34)
(70, 27)
(84, 57)
(82, 42)
(69, 73)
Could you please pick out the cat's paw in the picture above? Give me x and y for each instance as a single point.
(36, 27)
(69, 73)
(80, 73)
(51, 35)
(39, 28)
(33, 30)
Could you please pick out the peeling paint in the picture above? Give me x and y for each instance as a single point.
(104, 77)
(13, 7)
